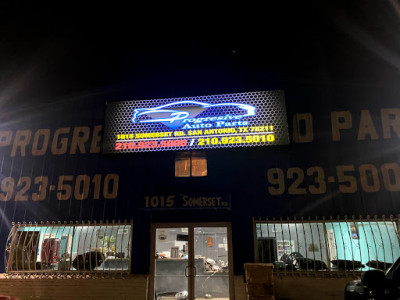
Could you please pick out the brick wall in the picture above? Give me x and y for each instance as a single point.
(240, 288)
(135, 288)
(310, 288)
(61, 288)
(58, 288)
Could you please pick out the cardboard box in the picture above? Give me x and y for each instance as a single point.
(260, 289)
(259, 273)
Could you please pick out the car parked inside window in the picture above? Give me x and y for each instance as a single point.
(375, 285)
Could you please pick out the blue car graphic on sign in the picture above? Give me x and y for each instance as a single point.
(173, 114)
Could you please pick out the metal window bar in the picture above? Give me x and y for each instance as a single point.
(102, 229)
(391, 248)
(298, 244)
(77, 259)
(373, 239)
(366, 242)
(36, 248)
(269, 244)
(57, 242)
(372, 243)
(45, 254)
(353, 260)
(327, 249)
(391, 241)
(347, 245)
(344, 246)
(359, 244)
(305, 244)
(320, 242)
(290, 244)
(37, 240)
(380, 234)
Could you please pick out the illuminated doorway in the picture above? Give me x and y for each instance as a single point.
(191, 261)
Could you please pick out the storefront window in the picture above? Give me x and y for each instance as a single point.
(69, 248)
(328, 246)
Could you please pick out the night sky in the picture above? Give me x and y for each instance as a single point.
(118, 52)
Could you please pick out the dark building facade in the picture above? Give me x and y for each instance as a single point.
(340, 158)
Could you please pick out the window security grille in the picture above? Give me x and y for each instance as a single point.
(327, 246)
(69, 248)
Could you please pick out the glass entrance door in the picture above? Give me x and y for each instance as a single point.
(191, 262)
(211, 263)
(171, 264)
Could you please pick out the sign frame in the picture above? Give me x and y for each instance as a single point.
(194, 123)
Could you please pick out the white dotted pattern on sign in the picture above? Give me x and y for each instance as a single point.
(270, 111)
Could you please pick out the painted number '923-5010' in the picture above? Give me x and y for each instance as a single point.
(346, 179)
(68, 187)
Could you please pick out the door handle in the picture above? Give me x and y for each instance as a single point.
(194, 269)
(186, 271)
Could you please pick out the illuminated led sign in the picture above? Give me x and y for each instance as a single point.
(217, 121)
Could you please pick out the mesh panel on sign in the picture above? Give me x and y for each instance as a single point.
(216, 121)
